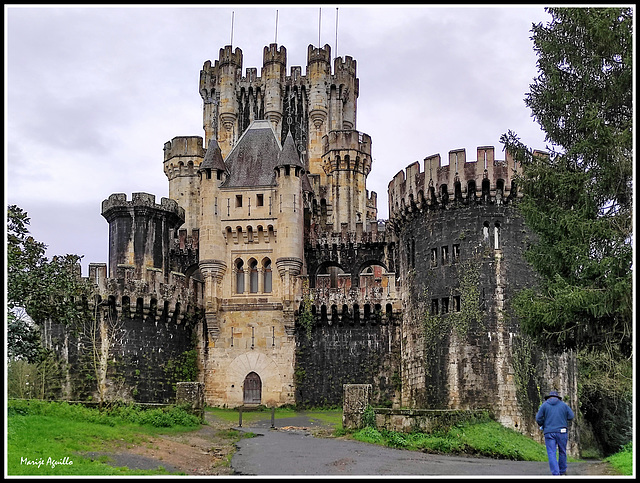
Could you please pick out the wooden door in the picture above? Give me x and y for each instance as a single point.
(252, 389)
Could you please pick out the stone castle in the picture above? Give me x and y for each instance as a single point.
(267, 262)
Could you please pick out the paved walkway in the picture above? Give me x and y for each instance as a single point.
(290, 449)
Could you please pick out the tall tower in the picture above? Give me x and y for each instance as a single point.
(289, 173)
(218, 86)
(182, 158)
(212, 173)
(319, 81)
(273, 75)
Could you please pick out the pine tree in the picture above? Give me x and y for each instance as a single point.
(578, 201)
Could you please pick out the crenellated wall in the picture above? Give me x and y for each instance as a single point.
(458, 180)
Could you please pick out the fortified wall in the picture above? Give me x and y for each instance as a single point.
(460, 256)
(147, 315)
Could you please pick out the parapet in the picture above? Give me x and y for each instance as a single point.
(182, 146)
(227, 56)
(344, 68)
(461, 180)
(272, 54)
(140, 200)
(347, 139)
(321, 54)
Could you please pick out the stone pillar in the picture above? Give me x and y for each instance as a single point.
(356, 399)
(191, 394)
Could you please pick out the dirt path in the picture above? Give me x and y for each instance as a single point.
(206, 451)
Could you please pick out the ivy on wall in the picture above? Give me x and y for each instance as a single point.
(470, 317)
(305, 318)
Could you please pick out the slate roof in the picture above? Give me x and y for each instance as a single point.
(213, 157)
(252, 161)
(289, 154)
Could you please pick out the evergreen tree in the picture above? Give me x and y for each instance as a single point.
(578, 200)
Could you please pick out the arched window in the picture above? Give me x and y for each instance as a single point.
(253, 276)
(496, 236)
(485, 231)
(266, 273)
(239, 276)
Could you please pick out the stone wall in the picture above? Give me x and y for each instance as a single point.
(144, 360)
(346, 353)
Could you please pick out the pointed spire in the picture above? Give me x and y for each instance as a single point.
(289, 154)
(213, 157)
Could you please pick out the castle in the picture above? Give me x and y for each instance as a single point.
(268, 263)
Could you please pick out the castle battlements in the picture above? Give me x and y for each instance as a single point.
(152, 293)
(344, 69)
(227, 56)
(347, 139)
(320, 54)
(118, 201)
(372, 232)
(374, 300)
(273, 54)
(184, 146)
(484, 180)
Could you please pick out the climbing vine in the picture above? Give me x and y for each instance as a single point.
(305, 318)
(524, 371)
(436, 326)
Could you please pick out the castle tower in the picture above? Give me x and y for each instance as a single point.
(182, 158)
(212, 173)
(141, 232)
(273, 75)
(347, 163)
(289, 174)
(319, 79)
(218, 86)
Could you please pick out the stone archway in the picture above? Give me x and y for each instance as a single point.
(252, 389)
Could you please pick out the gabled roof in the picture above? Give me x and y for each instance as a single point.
(252, 160)
(213, 157)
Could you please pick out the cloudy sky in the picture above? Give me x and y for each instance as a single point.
(92, 94)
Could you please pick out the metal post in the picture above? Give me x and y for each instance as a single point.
(240, 417)
(273, 417)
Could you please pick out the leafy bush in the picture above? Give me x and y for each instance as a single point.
(157, 417)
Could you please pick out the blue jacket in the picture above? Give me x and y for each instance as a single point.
(553, 415)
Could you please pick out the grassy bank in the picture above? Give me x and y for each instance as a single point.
(50, 438)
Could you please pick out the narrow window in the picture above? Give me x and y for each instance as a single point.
(253, 277)
(434, 257)
(260, 200)
(239, 276)
(496, 236)
(413, 253)
(485, 231)
(456, 303)
(456, 254)
(445, 255)
(267, 275)
(445, 305)
(434, 306)
(238, 201)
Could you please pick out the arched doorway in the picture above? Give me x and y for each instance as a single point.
(252, 389)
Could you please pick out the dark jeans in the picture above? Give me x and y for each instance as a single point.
(558, 466)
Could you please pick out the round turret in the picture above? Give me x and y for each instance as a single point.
(141, 232)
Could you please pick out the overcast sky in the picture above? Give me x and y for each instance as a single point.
(92, 94)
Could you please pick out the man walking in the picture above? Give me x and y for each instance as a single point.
(553, 418)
